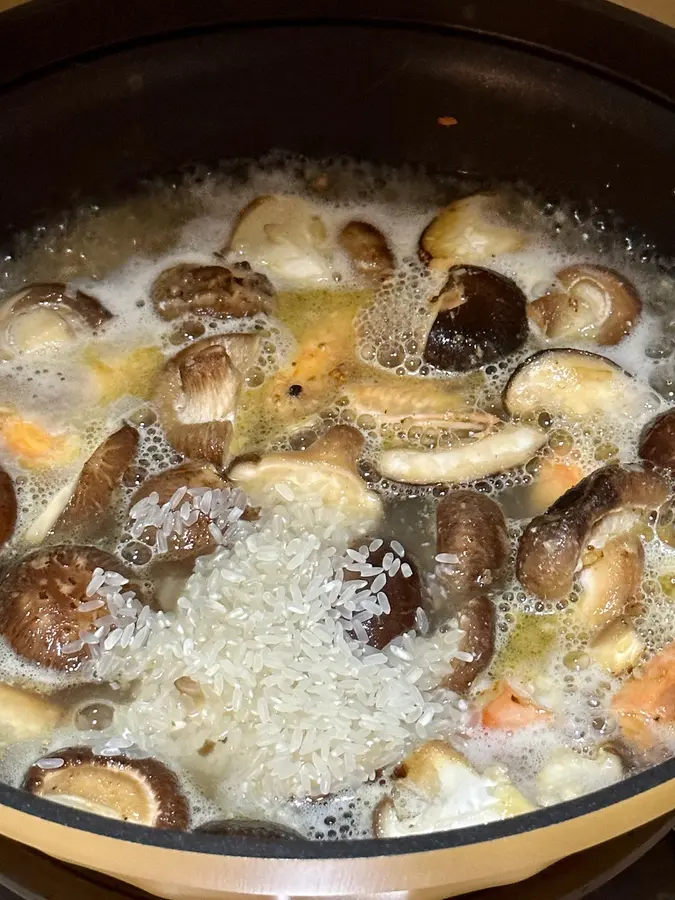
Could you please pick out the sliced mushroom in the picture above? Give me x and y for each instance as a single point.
(595, 304)
(618, 647)
(609, 581)
(477, 620)
(255, 829)
(84, 499)
(606, 503)
(446, 792)
(481, 316)
(219, 291)
(646, 702)
(494, 449)
(327, 471)
(565, 382)
(568, 775)
(657, 442)
(194, 537)
(42, 314)
(471, 534)
(368, 250)
(414, 399)
(143, 791)
(25, 715)
(40, 599)
(198, 391)
(8, 507)
(402, 589)
(471, 230)
(285, 234)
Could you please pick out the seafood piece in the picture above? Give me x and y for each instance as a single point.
(647, 702)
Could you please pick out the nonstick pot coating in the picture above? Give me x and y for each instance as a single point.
(99, 95)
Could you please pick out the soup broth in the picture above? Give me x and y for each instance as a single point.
(336, 503)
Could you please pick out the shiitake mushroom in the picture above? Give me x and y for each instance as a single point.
(8, 507)
(81, 504)
(367, 249)
(41, 314)
(219, 291)
(327, 470)
(477, 619)
(484, 449)
(481, 316)
(568, 382)
(139, 790)
(552, 545)
(657, 442)
(471, 529)
(197, 395)
(195, 539)
(255, 829)
(402, 588)
(594, 304)
(40, 600)
(285, 234)
(473, 229)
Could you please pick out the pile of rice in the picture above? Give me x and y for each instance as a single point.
(291, 703)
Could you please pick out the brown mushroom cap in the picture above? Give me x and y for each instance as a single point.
(552, 545)
(46, 313)
(403, 593)
(595, 304)
(567, 382)
(657, 442)
(196, 539)
(367, 249)
(198, 391)
(143, 791)
(477, 620)
(472, 528)
(481, 317)
(256, 829)
(100, 475)
(219, 291)
(39, 603)
(8, 507)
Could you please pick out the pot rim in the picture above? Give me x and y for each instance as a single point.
(57, 38)
(250, 848)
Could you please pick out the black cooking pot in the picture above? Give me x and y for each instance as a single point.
(573, 97)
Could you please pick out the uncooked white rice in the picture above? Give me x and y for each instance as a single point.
(275, 634)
